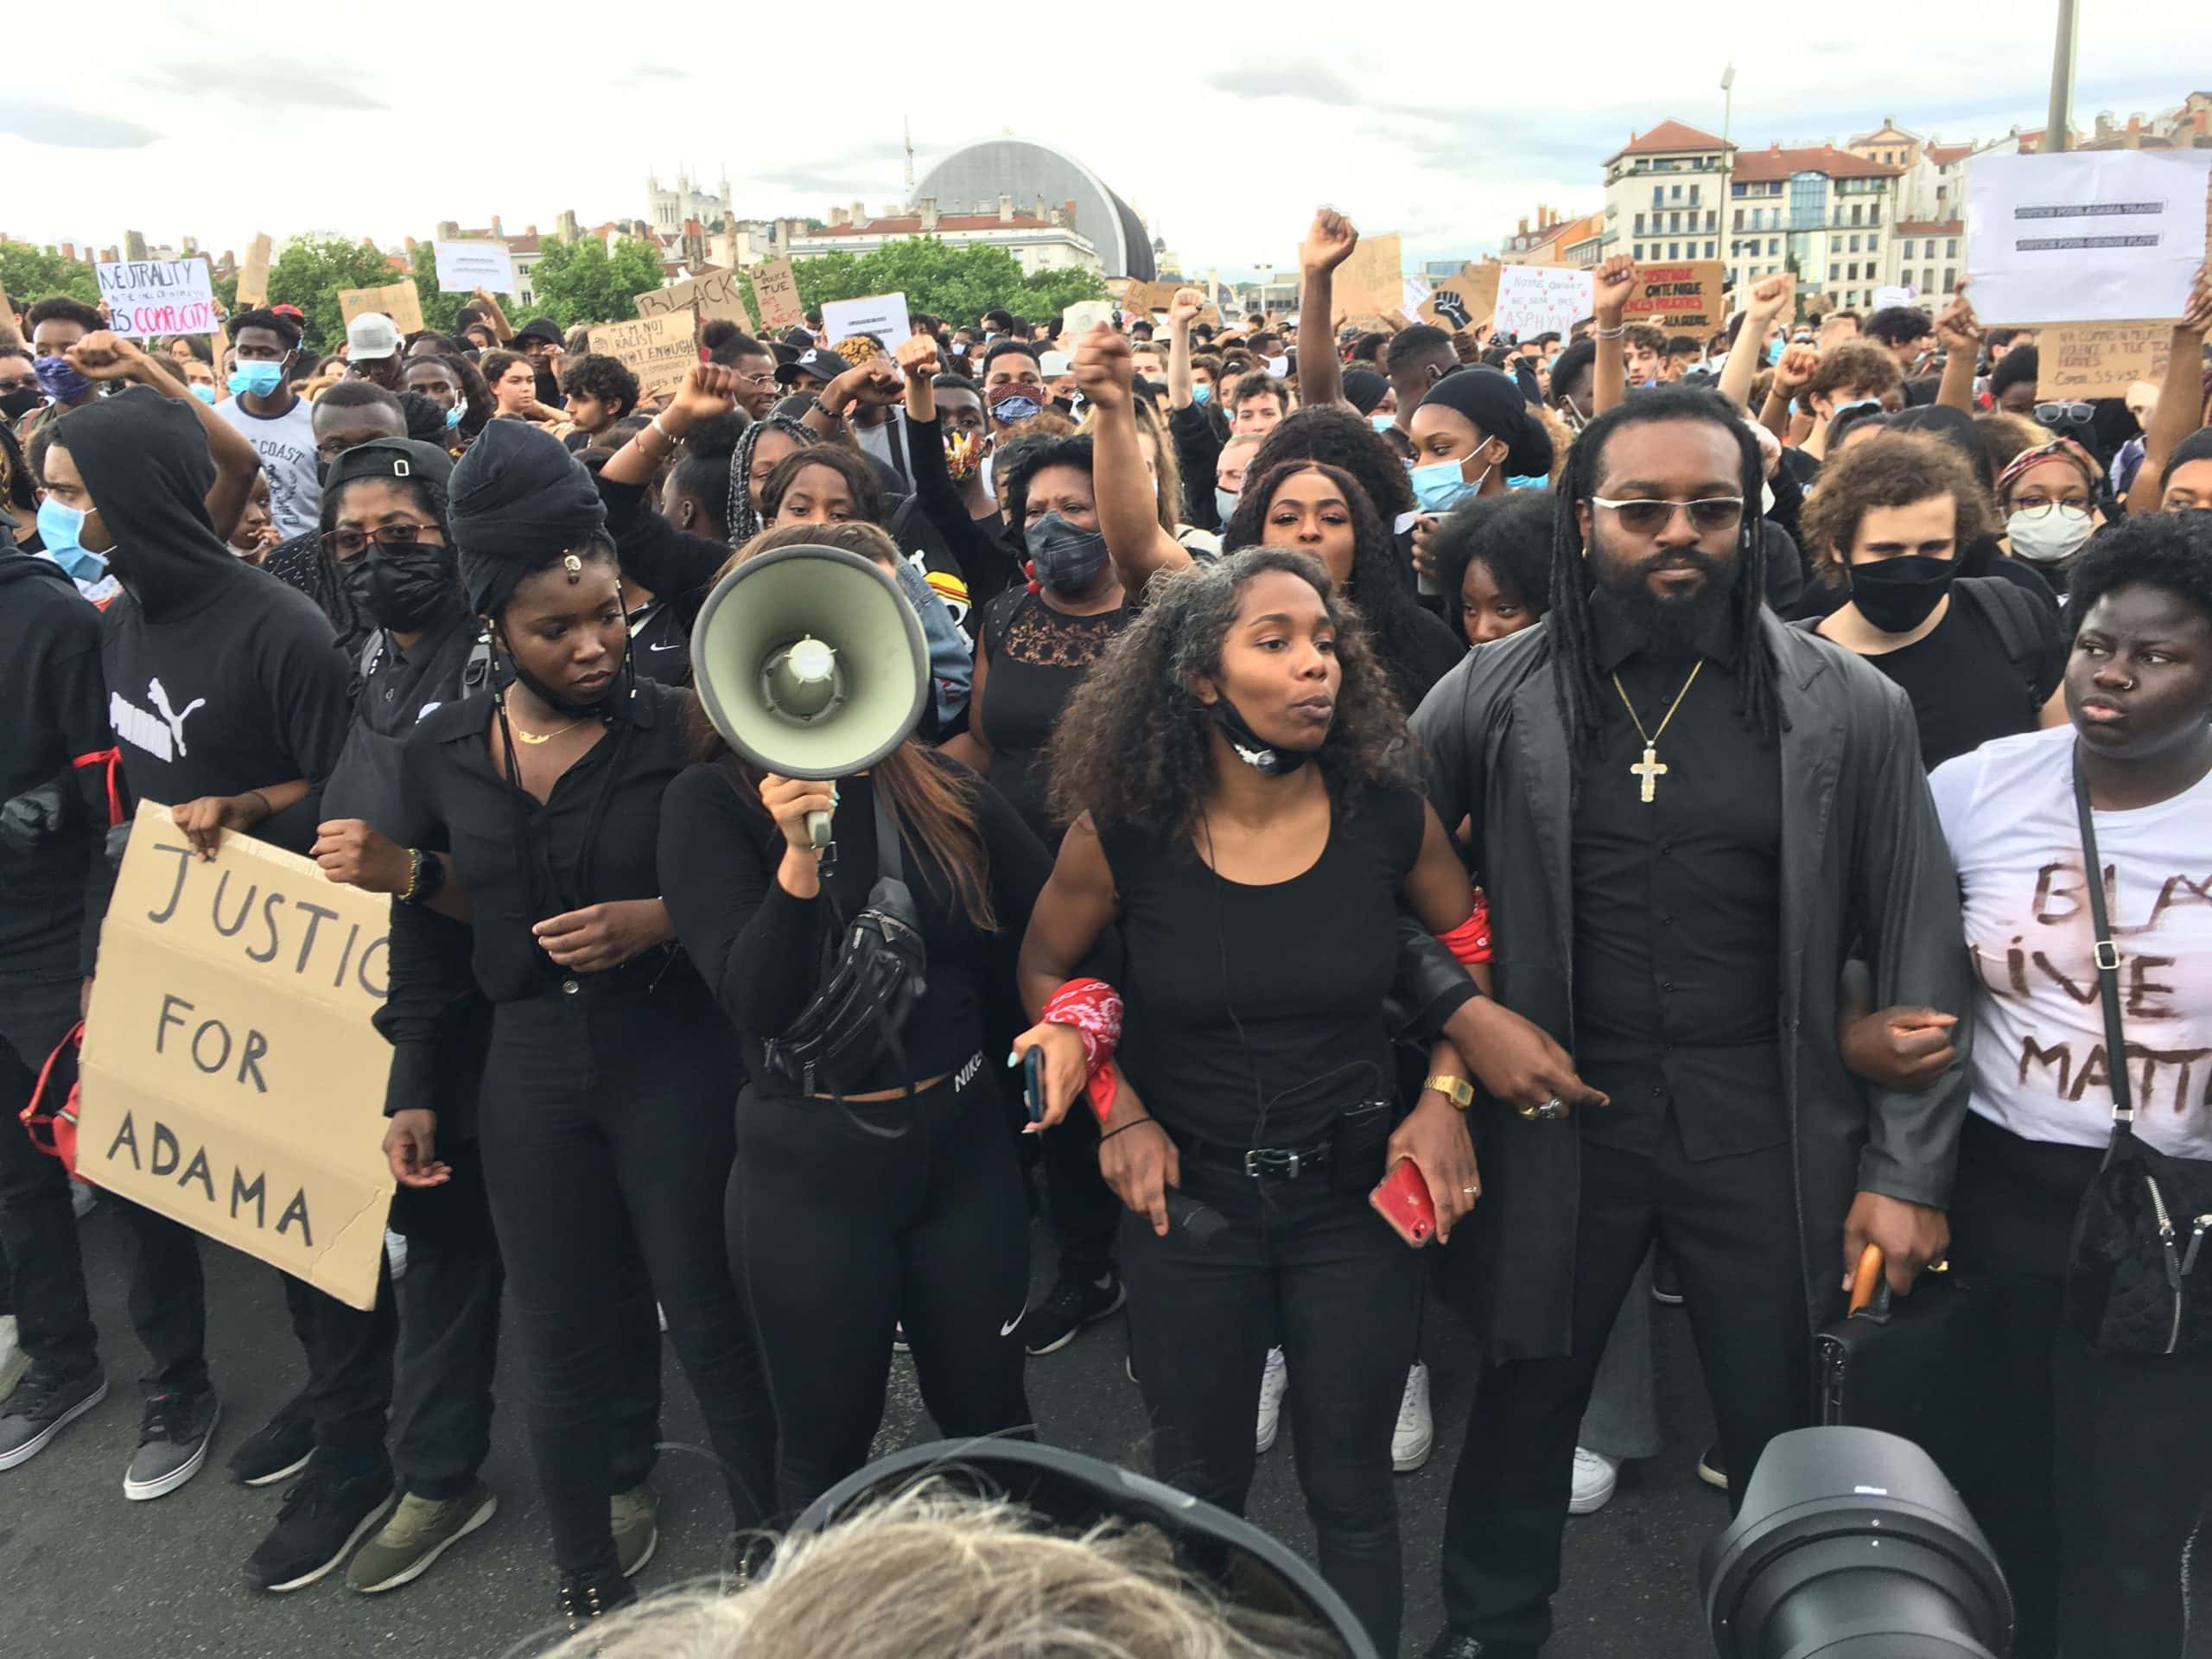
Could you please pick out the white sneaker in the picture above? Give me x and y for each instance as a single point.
(1275, 1382)
(395, 1252)
(14, 1361)
(1596, 1475)
(1416, 1430)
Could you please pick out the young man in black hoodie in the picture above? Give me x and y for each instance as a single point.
(228, 699)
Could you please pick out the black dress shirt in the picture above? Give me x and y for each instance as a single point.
(1677, 909)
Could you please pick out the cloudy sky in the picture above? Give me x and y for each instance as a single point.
(218, 123)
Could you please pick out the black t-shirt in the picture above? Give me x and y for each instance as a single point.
(1035, 658)
(1254, 1014)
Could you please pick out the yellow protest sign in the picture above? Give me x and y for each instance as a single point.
(1680, 296)
(397, 301)
(709, 295)
(231, 1080)
(775, 290)
(659, 350)
(1467, 301)
(253, 276)
(2101, 359)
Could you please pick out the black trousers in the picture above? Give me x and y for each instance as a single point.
(1086, 1215)
(606, 1143)
(1317, 1268)
(447, 1350)
(2110, 1463)
(836, 1234)
(1730, 1224)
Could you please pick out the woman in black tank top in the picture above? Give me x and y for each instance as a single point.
(1242, 806)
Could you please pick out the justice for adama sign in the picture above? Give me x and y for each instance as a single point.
(231, 1080)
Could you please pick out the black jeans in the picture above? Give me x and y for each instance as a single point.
(449, 1343)
(1730, 1224)
(1086, 1215)
(836, 1235)
(1317, 1268)
(2110, 1463)
(349, 1368)
(607, 1141)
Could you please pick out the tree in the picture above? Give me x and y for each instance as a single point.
(310, 270)
(582, 282)
(961, 284)
(31, 275)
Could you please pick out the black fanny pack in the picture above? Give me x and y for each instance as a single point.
(873, 970)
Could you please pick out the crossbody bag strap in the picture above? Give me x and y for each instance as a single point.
(889, 863)
(2123, 1103)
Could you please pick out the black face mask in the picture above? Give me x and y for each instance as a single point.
(1252, 749)
(1896, 594)
(17, 404)
(401, 588)
(565, 707)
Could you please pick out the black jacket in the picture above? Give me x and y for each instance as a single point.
(1864, 871)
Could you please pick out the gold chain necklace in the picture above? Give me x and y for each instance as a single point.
(1649, 769)
(535, 738)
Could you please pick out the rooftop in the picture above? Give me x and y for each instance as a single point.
(1754, 166)
(911, 225)
(1667, 138)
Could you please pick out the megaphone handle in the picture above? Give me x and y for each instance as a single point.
(817, 830)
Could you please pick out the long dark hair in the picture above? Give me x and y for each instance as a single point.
(1132, 748)
(1567, 625)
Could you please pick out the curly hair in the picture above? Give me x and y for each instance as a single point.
(607, 378)
(1855, 366)
(1891, 469)
(1329, 433)
(1020, 462)
(1132, 747)
(1509, 536)
(2167, 550)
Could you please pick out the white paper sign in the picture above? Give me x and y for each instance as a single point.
(1083, 316)
(157, 296)
(1535, 300)
(2088, 236)
(464, 267)
(1892, 295)
(883, 315)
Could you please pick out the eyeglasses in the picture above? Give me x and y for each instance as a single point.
(2065, 414)
(1706, 514)
(24, 382)
(352, 543)
(2043, 509)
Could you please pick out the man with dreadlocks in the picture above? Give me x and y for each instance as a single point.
(1686, 817)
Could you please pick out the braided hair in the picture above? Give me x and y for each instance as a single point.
(744, 518)
(1581, 687)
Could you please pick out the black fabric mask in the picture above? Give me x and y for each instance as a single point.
(566, 708)
(1252, 749)
(403, 588)
(1066, 559)
(1896, 594)
(17, 404)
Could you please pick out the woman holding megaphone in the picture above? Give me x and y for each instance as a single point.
(874, 1181)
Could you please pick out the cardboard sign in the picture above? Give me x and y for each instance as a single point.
(1467, 301)
(1683, 298)
(157, 296)
(775, 289)
(464, 267)
(883, 315)
(231, 1080)
(1083, 316)
(1535, 300)
(2101, 359)
(1142, 299)
(397, 301)
(709, 295)
(1372, 278)
(253, 276)
(2085, 236)
(659, 350)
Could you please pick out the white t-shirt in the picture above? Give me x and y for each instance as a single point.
(286, 445)
(2039, 1067)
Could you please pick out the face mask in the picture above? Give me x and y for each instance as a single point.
(1442, 485)
(401, 587)
(962, 455)
(1540, 481)
(205, 394)
(2047, 538)
(1774, 351)
(1015, 406)
(17, 404)
(59, 527)
(960, 348)
(1200, 392)
(1381, 423)
(1224, 502)
(1251, 748)
(1065, 560)
(454, 415)
(1842, 410)
(259, 379)
(1896, 594)
(63, 384)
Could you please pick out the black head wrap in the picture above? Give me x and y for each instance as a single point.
(1494, 403)
(144, 462)
(1363, 388)
(518, 501)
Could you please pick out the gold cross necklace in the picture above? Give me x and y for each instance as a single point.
(1649, 769)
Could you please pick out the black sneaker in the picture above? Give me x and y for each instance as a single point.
(1710, 1469)
(323, 1517)
(278, 1449)
(174, 1433)
(1051, 1324)
(585, 1597)
(42, 1405)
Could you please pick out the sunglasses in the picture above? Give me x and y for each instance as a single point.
(2065, 414)
(1706, 514)
(24, 384)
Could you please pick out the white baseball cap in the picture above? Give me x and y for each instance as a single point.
(1053, 365)
(371, 335)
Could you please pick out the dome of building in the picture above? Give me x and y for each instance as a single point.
(975, 175)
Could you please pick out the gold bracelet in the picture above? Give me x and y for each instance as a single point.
(414, 875)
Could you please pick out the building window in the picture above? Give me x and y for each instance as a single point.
(1950, 277)
(1835, 273)
(1739, 189)
(1639, 224)
(1854, 244)
(1739, 219)
(1678, 193)
(1639, 251)
(1927, 280)
(1692, 195)
(1658, 195)
(1808, 196)
(1855, 210)
(1674, 222)
(1950, 250)
(1708, 250)
(1873, 244)
(1674, 250)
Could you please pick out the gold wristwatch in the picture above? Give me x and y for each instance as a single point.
(1457, 1090)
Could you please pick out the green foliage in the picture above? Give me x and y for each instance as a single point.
(581, 282)
(309, 271)
(957, 283)
(31, 273)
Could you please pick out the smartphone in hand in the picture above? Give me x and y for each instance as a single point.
(1032, 1084)
(1402, 1198)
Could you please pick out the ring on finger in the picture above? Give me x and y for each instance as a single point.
(1549, 1111)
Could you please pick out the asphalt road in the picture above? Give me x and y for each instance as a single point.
(84, 1574)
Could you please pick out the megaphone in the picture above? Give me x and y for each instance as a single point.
(811, 663)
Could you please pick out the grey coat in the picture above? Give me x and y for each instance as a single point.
(1863, 868)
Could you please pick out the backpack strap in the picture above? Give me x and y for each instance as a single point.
(2019, 624)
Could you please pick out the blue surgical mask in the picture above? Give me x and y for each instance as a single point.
(1200, 392)
(59, 527)
(1016, 406)
(1841, 409)
(1381, 423)
(1442, 485)
(1540, 481)
(1224, 502)
(259, 379)
(205, 394)
(1775, 349)
(453, 415)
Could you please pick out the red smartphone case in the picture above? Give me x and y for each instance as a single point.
(1402, 1198)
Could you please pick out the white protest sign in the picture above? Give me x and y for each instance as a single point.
(1891, 294)
(157, 296)
(1535, 300)
(2087, 236)
(464, 267)
(1083, 316)
(883, 315)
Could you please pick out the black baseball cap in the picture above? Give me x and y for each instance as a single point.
(822, 363)
(542, 329)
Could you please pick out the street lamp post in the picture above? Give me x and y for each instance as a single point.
(1727, 162)
(2061, 80)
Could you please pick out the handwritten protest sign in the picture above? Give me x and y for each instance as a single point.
(1465, 301)
(1682, 298)
(775, 289)
(157, 296)
(1535, 300)
(2101, 359)
(1082, 317)
(2087, 236)
(1371, 278)
(1888, 294)
(253, 275)
(709, 295)
(659, 350)
(883, 315)
(397, 301)
(464, 267)
(231, 1080)
(1142, 299)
